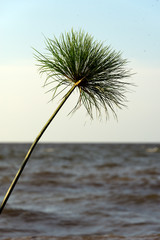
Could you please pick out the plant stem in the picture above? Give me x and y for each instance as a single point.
(33, 146)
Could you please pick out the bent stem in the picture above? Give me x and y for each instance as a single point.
(33, 146)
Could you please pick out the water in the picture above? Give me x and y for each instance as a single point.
(82, 192)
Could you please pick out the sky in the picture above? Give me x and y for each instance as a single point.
(129, 26)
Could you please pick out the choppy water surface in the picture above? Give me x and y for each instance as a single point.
(82, 192)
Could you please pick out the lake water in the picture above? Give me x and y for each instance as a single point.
(82, 192)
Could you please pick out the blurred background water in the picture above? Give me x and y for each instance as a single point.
(87, 191)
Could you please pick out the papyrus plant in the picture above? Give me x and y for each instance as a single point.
(77, 61)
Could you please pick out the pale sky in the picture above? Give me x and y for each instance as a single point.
(130, 26)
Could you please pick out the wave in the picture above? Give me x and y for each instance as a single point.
(88, 237)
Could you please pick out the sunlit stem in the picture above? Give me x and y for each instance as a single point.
(33, 146)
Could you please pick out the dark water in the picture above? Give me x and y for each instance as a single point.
(82, 192)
